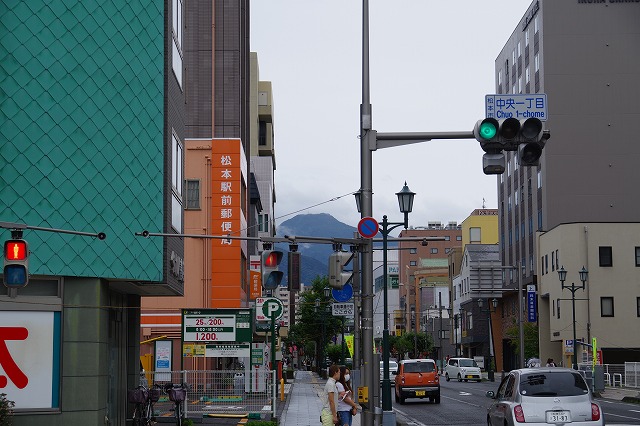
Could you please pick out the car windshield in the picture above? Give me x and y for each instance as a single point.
(419, 367)
(560, 383)
(467, 363)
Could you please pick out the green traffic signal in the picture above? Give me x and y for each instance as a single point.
(488, 130)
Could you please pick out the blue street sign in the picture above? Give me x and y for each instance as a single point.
(342, 295)
(532, 303)
(520, 106)
(368, 227)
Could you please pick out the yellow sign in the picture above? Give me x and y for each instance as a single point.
(363, 394)
(187, 349)
(594, 352)
(199, 350)
(348, 338)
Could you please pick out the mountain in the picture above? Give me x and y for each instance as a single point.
(314, 256)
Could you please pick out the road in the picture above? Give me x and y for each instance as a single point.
(465, 404)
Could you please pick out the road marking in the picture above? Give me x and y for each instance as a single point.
(464, 402)
(618, 415)
(406, 416)
(465, 393)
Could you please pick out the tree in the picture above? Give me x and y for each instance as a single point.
(531, 347)
(407, 343)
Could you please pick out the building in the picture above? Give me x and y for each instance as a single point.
(93, 124)
(578, 53)
(423, 269)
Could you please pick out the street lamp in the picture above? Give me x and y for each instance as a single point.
(405, 201)
(494, 305)
(562, 275)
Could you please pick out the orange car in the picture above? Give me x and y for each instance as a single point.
(417, 378)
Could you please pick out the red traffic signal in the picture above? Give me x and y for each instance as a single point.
(15, 250)
(16, 260)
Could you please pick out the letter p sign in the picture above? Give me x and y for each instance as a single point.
(272, 308)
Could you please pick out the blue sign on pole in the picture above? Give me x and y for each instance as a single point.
(368, 227)
(532, 303)
(344, 294)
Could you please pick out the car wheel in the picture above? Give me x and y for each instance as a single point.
(446, 376)
(430, 399)
(395, 394)
(479, 380)
(459, 377)
(401, 398)
(437, 399)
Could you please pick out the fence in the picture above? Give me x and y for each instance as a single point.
(627, 374)
(218, 392)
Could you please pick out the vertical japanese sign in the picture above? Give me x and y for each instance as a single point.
(228, 199)
(30, 358)
(532, 303)
(163, 357)
(255, 278)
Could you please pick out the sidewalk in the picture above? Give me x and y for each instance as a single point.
(303, 404)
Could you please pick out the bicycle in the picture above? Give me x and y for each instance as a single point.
(141, 413)
(178, 394)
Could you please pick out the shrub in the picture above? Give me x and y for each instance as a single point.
(261, 423)
(6, 410)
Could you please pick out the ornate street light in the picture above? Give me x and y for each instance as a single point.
(562, 276)
(405, 201)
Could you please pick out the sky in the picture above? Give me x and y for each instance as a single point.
(431, 65)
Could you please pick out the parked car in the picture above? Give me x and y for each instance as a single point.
(462, 369)
(393, 369)
(543, 396)
(417, 378)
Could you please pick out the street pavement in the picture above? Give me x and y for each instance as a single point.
(303, 405)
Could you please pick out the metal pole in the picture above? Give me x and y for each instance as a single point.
(441, 352)
(343, 341)
(520, 316)
(366, 204)
(386, 383)
(573, 289)
(356, 313)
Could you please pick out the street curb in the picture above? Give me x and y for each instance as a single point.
(631, 399)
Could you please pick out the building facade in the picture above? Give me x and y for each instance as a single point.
(92, 142)
(588, 168)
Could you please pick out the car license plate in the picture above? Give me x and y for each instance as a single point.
(469, 376)
(558, 417)
(420, 393)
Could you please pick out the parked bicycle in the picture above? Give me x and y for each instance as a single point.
(178, 394)
(140, 397)
(144, 399)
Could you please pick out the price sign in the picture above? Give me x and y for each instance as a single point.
(216, 325)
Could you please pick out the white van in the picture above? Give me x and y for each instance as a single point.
(462, 369)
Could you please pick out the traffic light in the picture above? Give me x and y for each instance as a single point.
(338, 277)
(16, 263)
(271, 275)
(526, 136)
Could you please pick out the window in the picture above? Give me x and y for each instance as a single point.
(263, 222)
(176, 54)
(458, 237)
(527, 76)
(413, 250)
(605, 255)
(536, 62)
(509, 203)
(526, 38)
(475, 235)
(542, 265)
(519, 49)
(519, 84)
(557, 260)
(539, 179)
(434, 250)
(517, 233)
(513, 56)
(413, 263)
(536, 25)
(499, 77)
(515, 197)
(447, 238)
(553, 262)
(546, 263)
(637, 256)
(176, 182)
(510, 237)
(606, 306)
(192, 201)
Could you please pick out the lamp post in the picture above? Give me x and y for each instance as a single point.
(323, 312)
(405, 201)
(455, 332)
(562, 275)
(494, 305)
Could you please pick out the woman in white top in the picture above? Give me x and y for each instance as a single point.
(346, 407)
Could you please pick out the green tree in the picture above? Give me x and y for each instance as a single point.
(531, 347)
(416, 345)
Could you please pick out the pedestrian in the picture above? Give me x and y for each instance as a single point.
(550, 363)
(347, 408)
(329, 414)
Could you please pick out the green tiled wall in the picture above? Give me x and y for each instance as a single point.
(81, 137)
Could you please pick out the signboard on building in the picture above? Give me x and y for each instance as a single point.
(217, 325)
(532, 303)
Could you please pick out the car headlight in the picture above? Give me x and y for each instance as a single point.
(463, 370)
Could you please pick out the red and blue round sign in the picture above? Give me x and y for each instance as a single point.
(368, 227)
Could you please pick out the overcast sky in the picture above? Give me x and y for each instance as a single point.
(431, 64)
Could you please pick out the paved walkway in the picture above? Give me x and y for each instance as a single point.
(303, 405)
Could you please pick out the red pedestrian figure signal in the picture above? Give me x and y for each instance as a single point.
(16, 262)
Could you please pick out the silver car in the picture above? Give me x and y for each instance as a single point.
(543, 396)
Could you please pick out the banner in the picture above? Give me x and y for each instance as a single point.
(348, 338)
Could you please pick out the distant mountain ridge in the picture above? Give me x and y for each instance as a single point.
(314, 256)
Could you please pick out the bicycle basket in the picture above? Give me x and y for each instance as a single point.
(138, 395)
(154, 394)
(177, 395)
